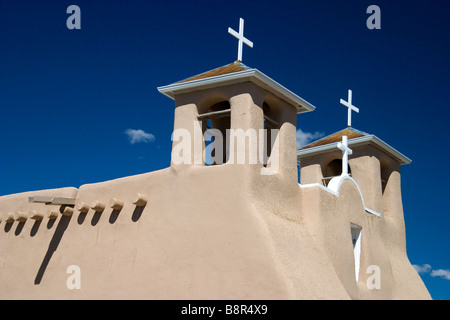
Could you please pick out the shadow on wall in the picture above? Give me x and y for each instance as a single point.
(62, 226)
(56, 239)
(137, 213)
(35, 227)
(114, 215)
(63, 223)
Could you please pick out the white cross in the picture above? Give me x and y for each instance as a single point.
(241, 38)
(350, 107)
(345, 152)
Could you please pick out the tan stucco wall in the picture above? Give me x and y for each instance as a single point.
(210, 232)
(202, 235)
(329, 217)
(383, 238)
(186, 244)
(366, 164)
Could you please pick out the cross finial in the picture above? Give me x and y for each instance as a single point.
(346, 151)
(350, 107)
(241, 38)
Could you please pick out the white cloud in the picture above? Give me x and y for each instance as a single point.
(139, 135)
(444, 274)
(304, 138)
(424, 268)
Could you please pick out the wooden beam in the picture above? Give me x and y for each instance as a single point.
(52, 200)
(215, 114)
(269, 119)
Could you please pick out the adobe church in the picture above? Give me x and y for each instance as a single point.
(203, 229)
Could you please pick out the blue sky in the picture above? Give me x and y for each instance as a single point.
(69, 97)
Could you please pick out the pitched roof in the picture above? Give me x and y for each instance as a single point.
(234, 73)
(229, 68)
(355, 138)
(336, 137)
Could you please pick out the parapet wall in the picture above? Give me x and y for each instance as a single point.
(196, 232)
(196, 237)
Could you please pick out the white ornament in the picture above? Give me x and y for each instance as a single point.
(350, 107)
(345, 152)
(240, 37)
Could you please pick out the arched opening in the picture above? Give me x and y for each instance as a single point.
(356, 241)
(215, 123)
(333, 169)
(385, 173)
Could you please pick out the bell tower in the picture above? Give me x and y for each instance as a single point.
(235, 115)
(373, 165)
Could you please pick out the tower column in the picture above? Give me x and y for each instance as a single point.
(246, 121)
(392, 202)
(366, 173)
(186, 147)
(288, 141)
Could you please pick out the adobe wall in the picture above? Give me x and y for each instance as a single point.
(388, 239)
(186, 243)
(198, 237)
(209, 232)
(329, 217)
(203, 235)
(368, 166)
